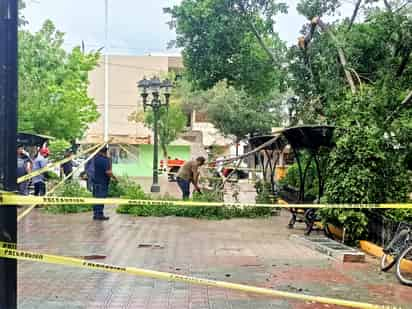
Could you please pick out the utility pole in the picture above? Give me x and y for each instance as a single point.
(106, 71)
(8, 138)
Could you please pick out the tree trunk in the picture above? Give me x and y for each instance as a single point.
(355, 13)
(257, 35)
(341, 54)
(404, 62)
(387, 5)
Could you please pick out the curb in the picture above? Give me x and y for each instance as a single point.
(375, 250)
(331, 248)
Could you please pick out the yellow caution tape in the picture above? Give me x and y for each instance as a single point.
(28, 210)
(13, 199)
(9, 251)
(54, 164)
(129, 152)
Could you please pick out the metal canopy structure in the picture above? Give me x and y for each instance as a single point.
(309, 137)
(29, 139)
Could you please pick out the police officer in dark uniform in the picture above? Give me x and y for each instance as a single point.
(101, 179)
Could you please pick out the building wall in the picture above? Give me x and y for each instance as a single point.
(124, 98)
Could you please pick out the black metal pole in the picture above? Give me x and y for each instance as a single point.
(156, 106)
(320, 179)
(301, 182)
(8, 137)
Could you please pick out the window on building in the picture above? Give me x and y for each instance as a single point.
(188, 119)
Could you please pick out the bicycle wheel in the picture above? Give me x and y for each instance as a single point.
(387, 262)
(404, 274)
(393, 249)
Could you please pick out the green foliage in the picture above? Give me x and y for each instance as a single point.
(52, 176)
(399, 215)
(53, 85)
(292, 179)
(57, 149)
(369, 162)
(376, 50)
(313, 8)
(131, 190)
(264, 193)
(248, 55)
(354, 221)
(210, 213)
(125, 187)
(235, 113)
(70, 189)
(367, 165)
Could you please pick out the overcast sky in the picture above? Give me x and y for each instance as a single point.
(134, 28)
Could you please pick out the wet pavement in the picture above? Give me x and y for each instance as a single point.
(252, 251)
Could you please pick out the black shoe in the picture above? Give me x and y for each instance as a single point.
(101, 218)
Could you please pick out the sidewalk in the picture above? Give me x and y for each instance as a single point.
(251, 251)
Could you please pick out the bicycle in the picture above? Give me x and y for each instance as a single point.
(399, 249)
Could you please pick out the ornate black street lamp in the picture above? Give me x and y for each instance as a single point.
(155, 87)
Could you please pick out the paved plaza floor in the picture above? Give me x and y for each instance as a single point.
(251, 251)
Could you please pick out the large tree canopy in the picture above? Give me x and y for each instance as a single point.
(237, 114)
(374, 118)
(230, 40)
(53, 85)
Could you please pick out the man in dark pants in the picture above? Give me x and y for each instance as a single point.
(189, 173)
(101, 179)
(24, 166)
(89, 168)
(67, 168)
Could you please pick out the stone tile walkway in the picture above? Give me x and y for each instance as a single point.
(252, 251)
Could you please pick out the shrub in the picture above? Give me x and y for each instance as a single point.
(70, 189)
(264, 194)
(292, 179)
(354, 221)
(135, 192)
(364, 168)
(127, 188)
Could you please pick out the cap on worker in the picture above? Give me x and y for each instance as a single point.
(44, 151)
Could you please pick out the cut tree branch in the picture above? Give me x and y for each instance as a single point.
(387, 5)
(256, 34)
(303, 43)
(404, 63)
(355, 13)
(405, 103)
(403, 6)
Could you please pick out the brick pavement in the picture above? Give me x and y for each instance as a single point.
(251, 251)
